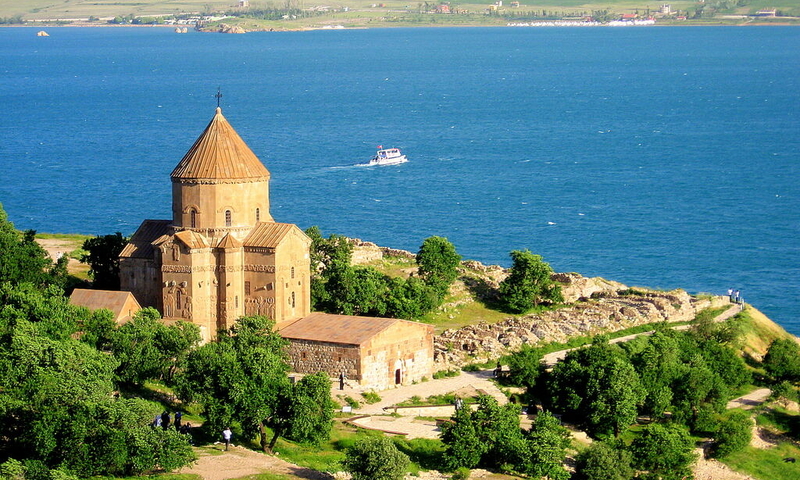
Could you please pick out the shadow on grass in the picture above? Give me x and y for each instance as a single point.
(425, 452)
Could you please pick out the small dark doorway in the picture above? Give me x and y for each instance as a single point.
(397, 377)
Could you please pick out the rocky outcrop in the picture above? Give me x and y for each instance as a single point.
(605, 312)
(225, 28)
(366, 252)
(594, 305)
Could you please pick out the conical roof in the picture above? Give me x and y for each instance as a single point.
(219, 154)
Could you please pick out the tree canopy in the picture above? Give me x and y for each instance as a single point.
(22, 260)
(103, 260)
(375, 458)
(597, 387)
(782, 360)
(56, 396)
(529, 283)
(242, 377)
(438, 263)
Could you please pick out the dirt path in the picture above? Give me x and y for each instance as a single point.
(751, 400)
(215, 464)
(711, 469)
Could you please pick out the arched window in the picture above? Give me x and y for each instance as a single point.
(292, 272)
(178, 300)
(258, 214)
(228, 219)
(292, 299)
(193, 218)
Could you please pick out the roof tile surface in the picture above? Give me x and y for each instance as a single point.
(139, 246)
(97, 299)
(326, 327)
(218, 154)
(268, 234)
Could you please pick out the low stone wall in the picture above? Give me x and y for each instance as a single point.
(307, 356)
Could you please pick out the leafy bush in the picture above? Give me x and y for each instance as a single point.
(371, 397)
(603, 461)
(446, 374)
(375, 458)
(461, 473)
(733, 434)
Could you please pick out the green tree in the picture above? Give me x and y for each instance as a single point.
(56, 397)
(697, 388)
(547, 443)
(375, 458)
(148, 349)
(22, 260)
(529, 283)
(782, 361)
(665, 451)
(597, 387)
(103, 260)
(438, 264)
(603, 461)
(658, 365)
(734, 433)
(306, 411)
(464, 448)
(242, 377)
(328, 256)
(525, 366)
(410, 298)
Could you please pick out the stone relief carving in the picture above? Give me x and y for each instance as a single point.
(187, 307)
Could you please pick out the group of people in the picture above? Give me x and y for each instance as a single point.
(735, 296)
(165, 421)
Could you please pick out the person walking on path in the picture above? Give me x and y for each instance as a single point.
(226, 435)
(178, 416)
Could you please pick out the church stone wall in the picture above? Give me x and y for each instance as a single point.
(405, 346)
(308, 356)
(141, 277)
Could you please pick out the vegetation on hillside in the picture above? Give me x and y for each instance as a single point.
(292, 14)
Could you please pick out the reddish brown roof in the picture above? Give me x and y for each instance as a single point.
(97, 299)
(218, 154)
(139, 245)
(325, 327)
(192, 239)
(229, 241)
(268, 234)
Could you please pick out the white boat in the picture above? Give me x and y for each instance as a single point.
(388, 156)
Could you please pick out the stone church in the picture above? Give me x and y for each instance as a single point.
(222, 256)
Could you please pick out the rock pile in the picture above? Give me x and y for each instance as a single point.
(601, 311)
(595, 305)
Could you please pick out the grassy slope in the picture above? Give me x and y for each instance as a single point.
(396, 12)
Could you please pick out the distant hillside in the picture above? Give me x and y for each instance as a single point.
(295, 14)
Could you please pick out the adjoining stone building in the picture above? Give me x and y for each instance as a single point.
(123, 305)
(222, 256)
(377, 352)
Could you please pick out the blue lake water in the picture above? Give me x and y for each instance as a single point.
(660, 157)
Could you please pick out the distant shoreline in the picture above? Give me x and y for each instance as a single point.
(384, 25)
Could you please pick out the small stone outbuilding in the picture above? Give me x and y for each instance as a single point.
(376, 353)
(122, 304)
